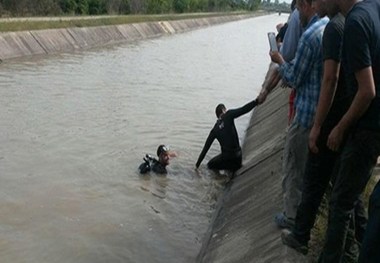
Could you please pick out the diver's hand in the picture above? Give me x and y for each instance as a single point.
(197, 172)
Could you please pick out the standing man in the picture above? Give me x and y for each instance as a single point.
(332, 105)
(360, 124)
(225, 132)
(304, 74)
(288, 50)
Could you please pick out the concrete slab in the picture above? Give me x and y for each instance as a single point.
(19, 44)
(129, 32)
(147, 30)
(54, 40)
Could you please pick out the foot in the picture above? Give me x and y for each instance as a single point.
(282, 221)
(290, 240)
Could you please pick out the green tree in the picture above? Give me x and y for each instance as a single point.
(138, 6)
(68, 6)
(154, 6)
(194, 6)
(44, 7)
(253, 4)
(211, 5)
(125, 7)
(116, 6)
(18, 7)
(180, 6)
(82, 7)
(94, 7)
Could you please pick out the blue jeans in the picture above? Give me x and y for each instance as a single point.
(370, 251)
(358, 158)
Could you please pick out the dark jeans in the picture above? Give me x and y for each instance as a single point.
(358, 158)
(370, 251)
(320, 169)
(231, 162)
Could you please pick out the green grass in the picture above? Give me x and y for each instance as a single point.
(35, 24)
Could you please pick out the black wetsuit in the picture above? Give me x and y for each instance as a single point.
(152, 165)
(225, 132)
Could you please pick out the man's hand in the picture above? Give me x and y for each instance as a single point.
(197, 172)
(335, 139)
(262, 96)
(276, 57)
(313, 138)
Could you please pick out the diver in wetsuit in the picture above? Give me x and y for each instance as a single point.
(225, 132)
(158, 166)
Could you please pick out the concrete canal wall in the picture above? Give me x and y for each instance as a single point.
(37, 42)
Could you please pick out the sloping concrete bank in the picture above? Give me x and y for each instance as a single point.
(242, 229)
(18, 44)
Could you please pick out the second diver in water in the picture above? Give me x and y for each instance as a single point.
(158, 166)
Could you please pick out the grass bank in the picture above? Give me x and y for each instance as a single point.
(23, 24)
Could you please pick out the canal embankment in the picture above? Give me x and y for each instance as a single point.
(51, 41)
(242, 229)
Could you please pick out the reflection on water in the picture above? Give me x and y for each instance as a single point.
(74, 128)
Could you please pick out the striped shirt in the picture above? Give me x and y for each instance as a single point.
(304, 72)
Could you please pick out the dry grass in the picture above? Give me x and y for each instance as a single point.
(35, 24)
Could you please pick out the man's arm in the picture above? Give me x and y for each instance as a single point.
(288, 50)
(365, 94)
(235, 113)
(292, 35)
(206, 147)
(298, 69)
(326, 97)
(271, 80)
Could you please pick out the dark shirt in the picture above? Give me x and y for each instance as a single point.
(332, 49)
(225, 132)
(361, 49)
(152, 165)
(281, 33)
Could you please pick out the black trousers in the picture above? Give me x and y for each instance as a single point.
(370, 251)
(231, 162)
(320, 170)
(358, 158)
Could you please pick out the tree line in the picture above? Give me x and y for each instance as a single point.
(119, 7)
(275, 6)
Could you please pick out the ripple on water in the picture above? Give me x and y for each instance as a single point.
(76, 126)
